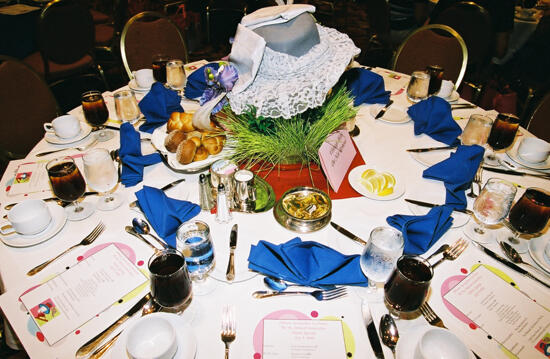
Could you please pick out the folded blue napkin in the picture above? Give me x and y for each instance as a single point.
(457, 173)
(433, 117)
(164, 213)
(366, 86)
(196, 83)
(158, 105)
(421, 232)
(306, 263)
(131, 158)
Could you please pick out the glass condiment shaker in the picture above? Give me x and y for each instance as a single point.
(205, 193)
(223, 213)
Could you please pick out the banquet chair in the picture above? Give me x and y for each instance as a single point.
(146, 34)
(433, 45)
(378, 51)
(66, 42)
(539, 121)
(221, 22)
(27, 102)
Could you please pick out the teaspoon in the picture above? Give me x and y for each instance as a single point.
(514, 255)
(278, 284)
(388, 332)
(142, 227)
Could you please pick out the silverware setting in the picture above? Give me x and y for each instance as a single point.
(515, 257)
(516, 173)
(86, 241)
(374, 339)
(133, 232)
(230, 273)
(383, 110)
(428, 149)
(431, 205)
(229, 327)
(453, 251)
(142, 227)
(278, 284)
(348, 234)
(388, 332)
(460, 106)
(320, 295)
(81, 148)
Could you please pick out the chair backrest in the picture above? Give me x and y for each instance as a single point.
(26, 102)
(539, 123)
(474, 24)
(433, 45)
(221, 23)
(146, 34)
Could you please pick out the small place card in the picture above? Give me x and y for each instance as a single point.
(336, 155)
(519, 324)
(298, 339)
(70, 299)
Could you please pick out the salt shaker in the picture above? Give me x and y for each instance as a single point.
(205, 193)
(223, 214)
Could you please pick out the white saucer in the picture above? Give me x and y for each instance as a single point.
(187, 342)
(134, 86)
(406, 346)
(459, 218)
(394, 113)
(536, 250)
(432, 157)
(453, 97)
(354, 179)
(59, 218)
(514, 156)
(85, 130)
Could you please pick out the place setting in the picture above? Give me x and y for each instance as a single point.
(66, 129)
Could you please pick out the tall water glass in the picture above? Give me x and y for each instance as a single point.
(175, 75)
(96, 113)
(477, 130)
(490, 208)
(102, 176)
(126, 106)
(379, 256)
(417, 90)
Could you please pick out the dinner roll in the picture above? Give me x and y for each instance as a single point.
(186, 152)
(200, 154)
(180, 121)
(213, 144)
(173, 139)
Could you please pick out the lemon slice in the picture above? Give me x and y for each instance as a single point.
(379, 183)
(368, 173)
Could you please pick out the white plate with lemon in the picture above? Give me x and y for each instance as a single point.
(376, 184)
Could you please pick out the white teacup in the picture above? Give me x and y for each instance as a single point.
(438, 343)
(534, 150)
(28, 217)
(151, 337)
(446, 89)
(144, 77)
(65, 126)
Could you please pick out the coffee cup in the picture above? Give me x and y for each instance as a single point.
(534, 150)
(65, 126)
(438, 343)
(28, 217)
(446, 89)
(144, 78)
(152, 337)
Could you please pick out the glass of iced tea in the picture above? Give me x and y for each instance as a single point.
(502, 135)
(529, 217)
(436, 77)
(96, 113)
(159, 67)
(68, 185)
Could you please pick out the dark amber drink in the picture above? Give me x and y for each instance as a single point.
(531, 213)
(159, 68)
(503, 131)
(94, 107)
(66, 180)
(436, 77)
(170, 282)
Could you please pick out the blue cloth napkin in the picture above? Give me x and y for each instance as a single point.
(433, 117)
(131, 158)
(421, 232)
(164, 213)
(196, 82)
(306, 263)
(158, 105)
(366, 86)
(457, 173)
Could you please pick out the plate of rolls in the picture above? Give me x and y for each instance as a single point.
(185, 148)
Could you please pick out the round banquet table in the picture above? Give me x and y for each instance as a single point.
(382, 145)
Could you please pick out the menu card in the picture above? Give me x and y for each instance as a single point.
(514, 320)
(336, 155)
(299, 339)
(67, 301)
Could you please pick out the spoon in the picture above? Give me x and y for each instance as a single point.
(512, 166)
(133, 232)
(388, 332)
(514, 256)
(142, 227)
(278, 284)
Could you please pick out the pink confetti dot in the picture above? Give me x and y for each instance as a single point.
(473, 326)
(463, 270)
(257, 356)
(140, 263)
(314, 314)
(79, 258)
(77, 332)
(40, 336)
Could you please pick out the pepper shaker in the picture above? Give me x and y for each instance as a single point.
(223, 213)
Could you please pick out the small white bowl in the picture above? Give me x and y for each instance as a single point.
(438, 343)
(151, 337)
(534, 150)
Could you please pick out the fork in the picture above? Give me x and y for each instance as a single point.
(453, 251)
(229, 331)
(430, 316)
(82, 148)
(477, 181)
(317, 294)
(87, 240)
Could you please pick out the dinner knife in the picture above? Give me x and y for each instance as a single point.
(431, 205)
(163, 189)
(230, 273)
(515, 173)
(50, 199)
(91, 344)
(509, 264)
(371, 331)
(383, 110)
(431, 149)
(348, 234)
(459, 106)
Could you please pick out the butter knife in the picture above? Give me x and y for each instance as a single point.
(371, 331)
(92, 344)
(431, 149)
(230, 273)
(383, 110)
(163, 189)
(9, 206)
(516, 173)
(348, 234)
(431, 205)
